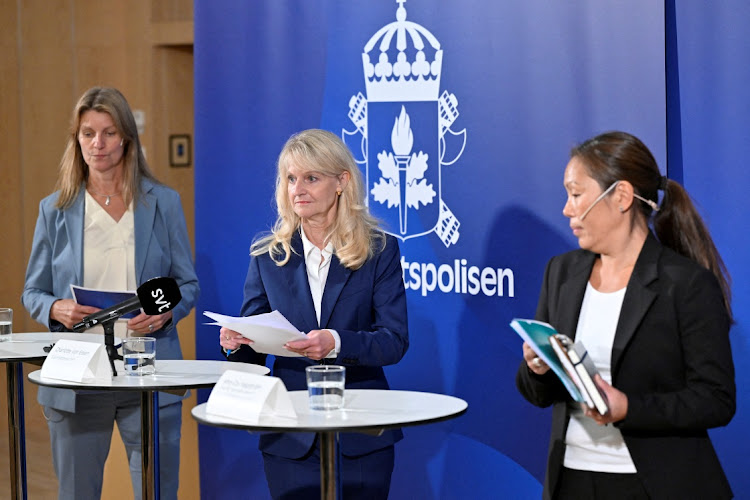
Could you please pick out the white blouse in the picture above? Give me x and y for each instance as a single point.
(318, 262)
(109, 252)
(590, 446)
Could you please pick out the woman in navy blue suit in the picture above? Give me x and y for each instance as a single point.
(329, 269)
(654, 315)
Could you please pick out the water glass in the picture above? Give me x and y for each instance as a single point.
(325, 386)
(6, 323)
(139, 355)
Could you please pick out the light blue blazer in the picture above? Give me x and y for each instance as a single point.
(162, 248)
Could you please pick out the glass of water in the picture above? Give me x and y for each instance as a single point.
(139, 355)
(325, 386)
(6, 323)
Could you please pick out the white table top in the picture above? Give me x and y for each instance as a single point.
(363, 410)
(30, 346)
(170, 374)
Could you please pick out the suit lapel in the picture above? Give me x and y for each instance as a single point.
(145, 213)
(338, 275)
(74, 228)
(638, 298)
(571, 295)
(299, 286)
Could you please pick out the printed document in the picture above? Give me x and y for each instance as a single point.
(269, 331)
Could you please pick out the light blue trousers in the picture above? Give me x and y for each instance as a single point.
(81, 440)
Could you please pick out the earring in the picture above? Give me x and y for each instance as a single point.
(338, 192)
(121, 141)
(621, 209)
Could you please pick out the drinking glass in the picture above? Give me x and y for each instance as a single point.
(325, 386)
(139, 355)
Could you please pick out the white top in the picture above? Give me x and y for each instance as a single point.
(318, 263)
(590, 446)
(109, 253)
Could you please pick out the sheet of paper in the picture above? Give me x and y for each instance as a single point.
(102, 298)
(269, 331)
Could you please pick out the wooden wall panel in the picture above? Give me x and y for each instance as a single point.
(51, 51)
(46, 106)
(170, 11)
(11, 200)
(173, 114)
(46, 23)
(172, 104)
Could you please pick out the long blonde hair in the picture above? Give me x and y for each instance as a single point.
(74, 172)
(354, 232)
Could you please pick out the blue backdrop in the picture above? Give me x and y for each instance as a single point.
(511, 87)
(709, 116)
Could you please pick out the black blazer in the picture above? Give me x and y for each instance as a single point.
(671, 357)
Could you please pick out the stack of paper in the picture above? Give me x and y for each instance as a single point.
(269, 332)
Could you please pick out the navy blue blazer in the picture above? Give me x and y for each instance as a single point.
(367, 307)
(671, 356)
(162, 248)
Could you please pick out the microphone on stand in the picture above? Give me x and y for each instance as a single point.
(155, 296)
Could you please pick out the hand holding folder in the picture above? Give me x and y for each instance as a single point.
(568, 360)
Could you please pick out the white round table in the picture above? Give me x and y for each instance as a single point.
(15, 349)
(171, 375)
(369, 411)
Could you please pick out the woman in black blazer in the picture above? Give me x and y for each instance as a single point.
(654, 315)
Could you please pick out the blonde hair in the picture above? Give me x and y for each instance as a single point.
(74, 171)
(354, 231)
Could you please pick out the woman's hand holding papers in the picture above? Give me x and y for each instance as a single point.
(67, 312)
(318, 345)
(231, 340)
(143, 324)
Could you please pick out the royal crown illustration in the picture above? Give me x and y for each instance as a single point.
(411, 72)
(402, 65)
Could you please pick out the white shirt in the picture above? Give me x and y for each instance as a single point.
(318, 263)
(590, 446)
(109, 253)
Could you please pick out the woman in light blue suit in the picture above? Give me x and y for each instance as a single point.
(109, 224)
(334, 274)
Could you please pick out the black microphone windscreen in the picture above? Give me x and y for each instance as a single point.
(159, 295)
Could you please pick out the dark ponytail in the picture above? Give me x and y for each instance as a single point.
(614, 156)
(679, 226)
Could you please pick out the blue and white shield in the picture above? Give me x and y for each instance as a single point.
(403, 166)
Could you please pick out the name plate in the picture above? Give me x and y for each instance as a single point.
(77, 361)
(246, 396)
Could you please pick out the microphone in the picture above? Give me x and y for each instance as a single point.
(155, 296)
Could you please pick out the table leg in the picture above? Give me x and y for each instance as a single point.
(150, 445)
(16, 430)
(327, 465)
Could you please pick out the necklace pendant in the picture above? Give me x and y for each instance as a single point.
(106, 202)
